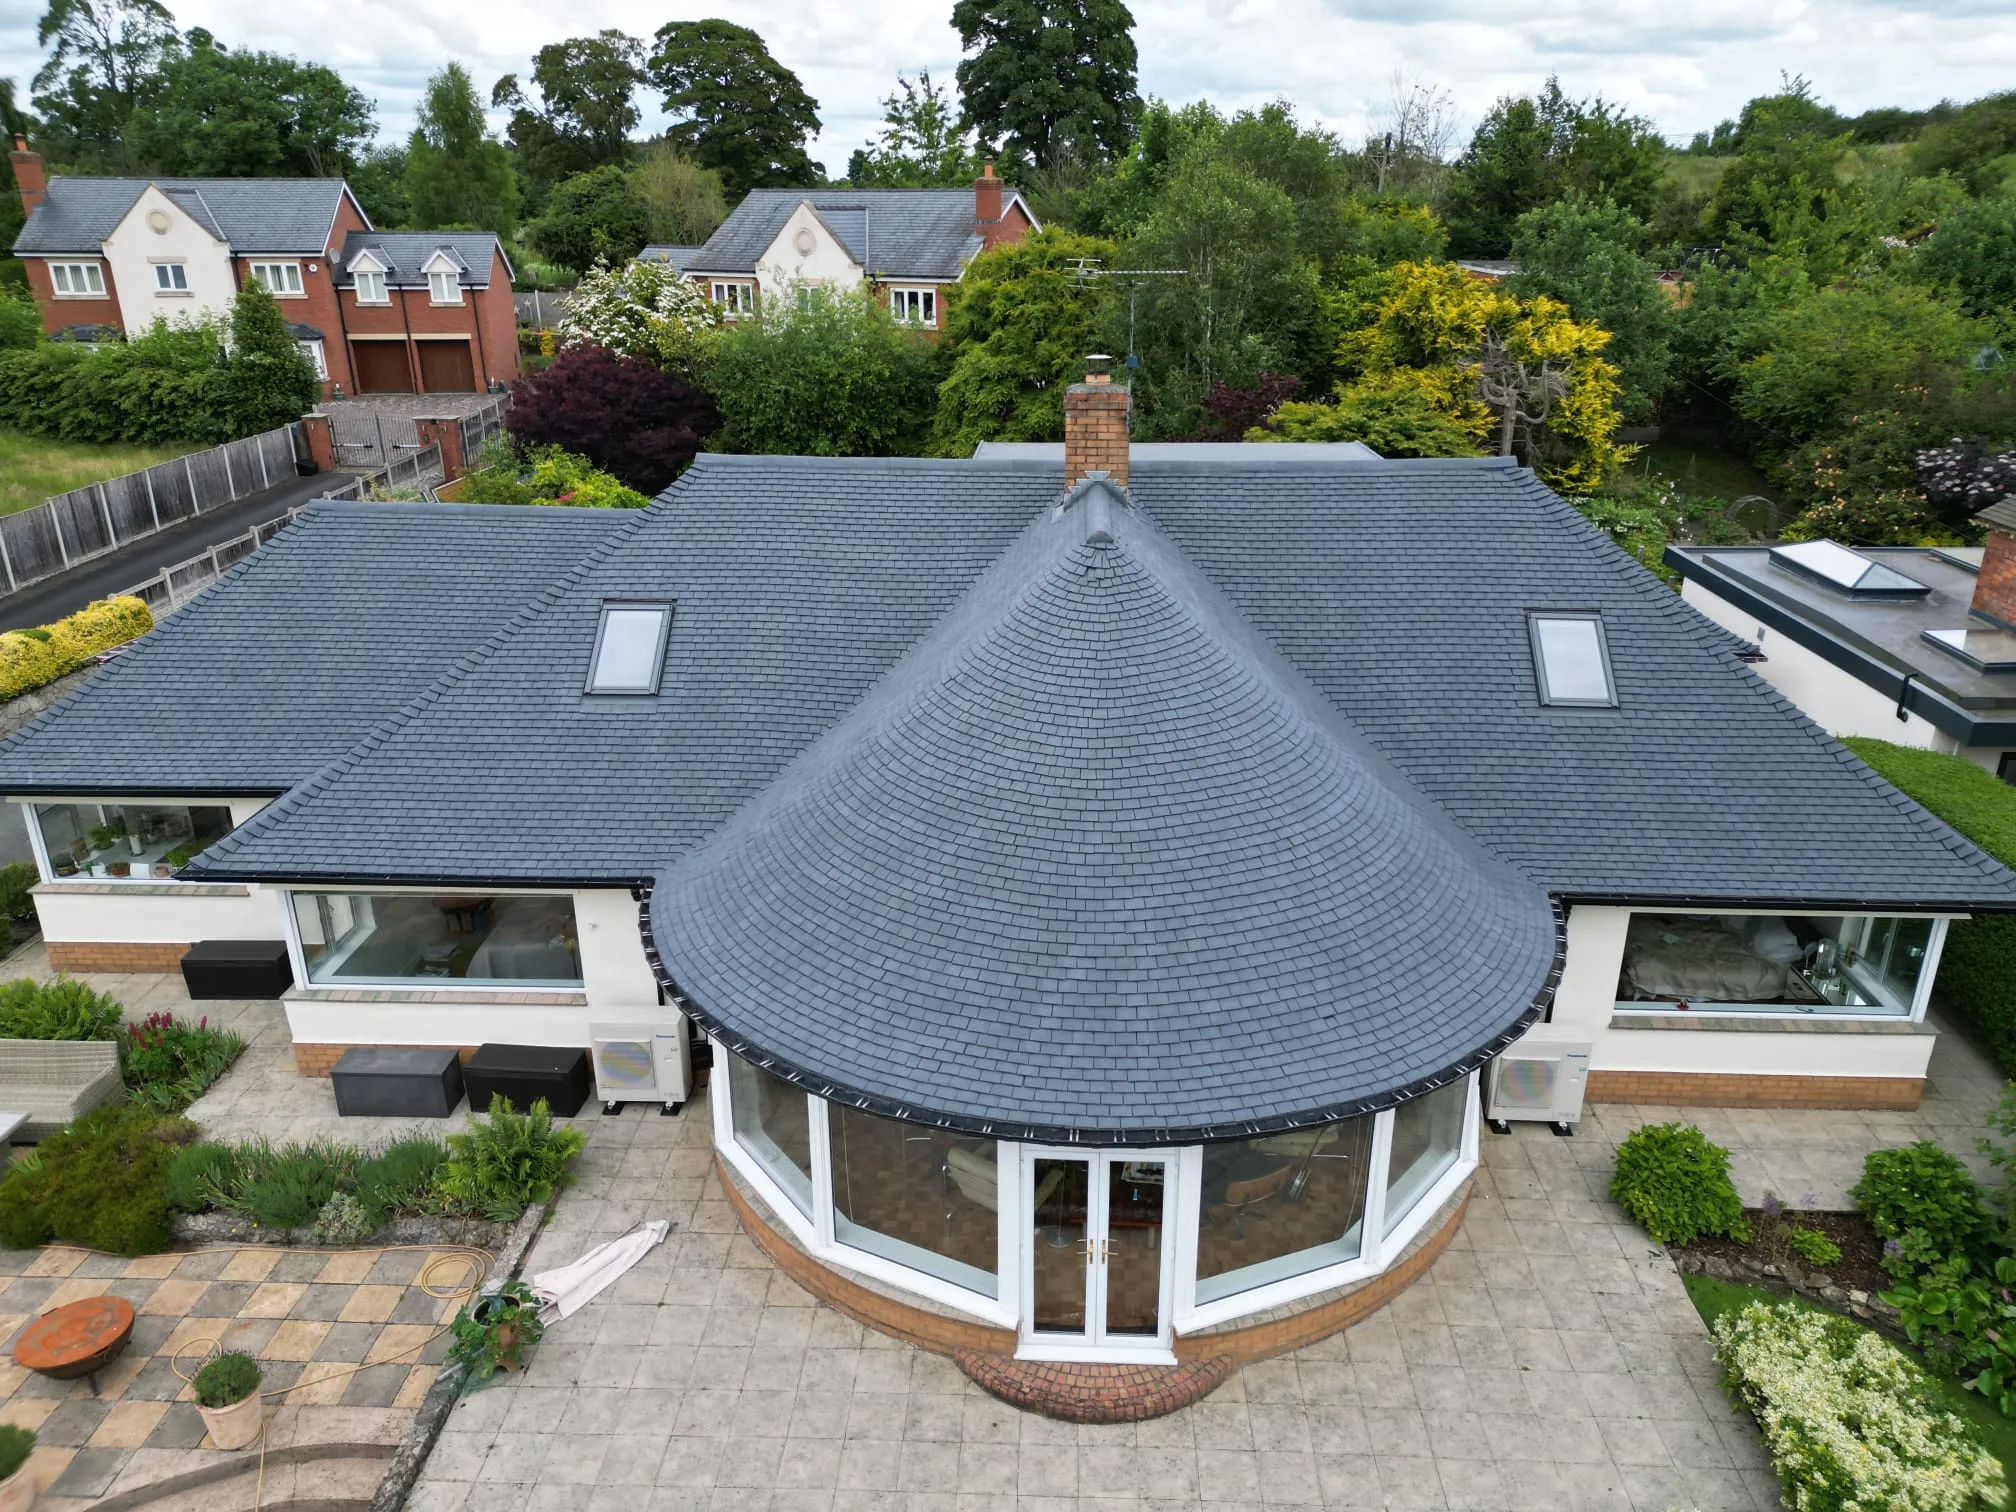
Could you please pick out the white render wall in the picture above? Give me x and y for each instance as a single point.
(1587, 999)
(133, 246)
(782, 265)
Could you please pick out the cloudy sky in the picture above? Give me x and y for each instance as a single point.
(1686, 66)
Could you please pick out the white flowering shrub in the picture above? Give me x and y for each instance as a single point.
(1851, 1423)
(639, 310)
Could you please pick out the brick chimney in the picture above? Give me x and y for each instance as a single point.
(1095, 425)
(34, 187)
(987, 207)
(1995, 589)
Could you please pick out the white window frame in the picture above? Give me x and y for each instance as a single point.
(46, 870)
(437, 281)
(298, 957)
(90, 274)
(736, 296)
(280, 279)
(315, 353)
(914, 305)
(374, 279)
(171, 277)
(1137, 1349)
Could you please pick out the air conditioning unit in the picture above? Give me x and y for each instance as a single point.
(1537, 1081)
(642, 1063)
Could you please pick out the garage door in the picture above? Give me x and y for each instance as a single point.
(445, 367)
(381, 367)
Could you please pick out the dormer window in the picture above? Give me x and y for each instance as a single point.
(444, 280)
(629, 652)
(371, 288)
(1571, 659)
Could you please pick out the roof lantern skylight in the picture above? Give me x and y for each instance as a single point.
(1983, 647)
(1850, 571)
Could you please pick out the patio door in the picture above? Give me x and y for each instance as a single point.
(1099, 1255)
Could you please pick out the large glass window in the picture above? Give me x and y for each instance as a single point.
(423, 940)
(917, 1196)
(1427, 1139)
(773, 1124)
(1281, 1206)
(1773, 962)
(127, 841)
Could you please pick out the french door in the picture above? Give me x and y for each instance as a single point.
(1099, 1256)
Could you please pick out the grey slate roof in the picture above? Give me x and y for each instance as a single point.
(290, 659)
(2002, 513)
(1093, 834)
(406, 252)
(1245, 454)
(672, 255)
(894, 233)
(253, 215)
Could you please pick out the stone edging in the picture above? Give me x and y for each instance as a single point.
(1815, 1286)
(433, 1230)
(427, 1423)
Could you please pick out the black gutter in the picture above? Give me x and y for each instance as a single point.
(1035, 1133)
(1708, 903)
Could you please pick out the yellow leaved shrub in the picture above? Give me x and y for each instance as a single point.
(31, 658)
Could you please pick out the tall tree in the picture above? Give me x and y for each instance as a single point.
(378, 179)
(220, 114)
(586, 107)
(456, 173)
(686, 201)
(104, 60)
(1049, 80)
(1588, 257)
(597, 216)
(735, 108)
(923, 143)
(1782, 194)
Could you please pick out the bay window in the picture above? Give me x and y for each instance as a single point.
(405, 939)
(1281, 1205)
(773, 1124)
(1427, 1142)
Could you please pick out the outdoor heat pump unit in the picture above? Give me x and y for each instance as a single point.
(1537, 1081)
(642, 1063)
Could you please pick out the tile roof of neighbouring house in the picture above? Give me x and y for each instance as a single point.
(291, 658)
(253, 215)
(405, 254)
(673, 256)
(894, 233)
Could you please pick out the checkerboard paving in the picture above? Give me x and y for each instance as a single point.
(347, 1328)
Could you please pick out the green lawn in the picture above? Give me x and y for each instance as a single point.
(32, 467)
(1996, 1433)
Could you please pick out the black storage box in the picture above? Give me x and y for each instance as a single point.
(526, 1073)
(373, 1083)
(237, 969)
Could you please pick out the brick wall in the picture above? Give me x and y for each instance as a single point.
(58, 313)
(320, 1060)
(498, 316)
(1095, 431)
(1717, 1089)
(87, 955)
(1995, 588)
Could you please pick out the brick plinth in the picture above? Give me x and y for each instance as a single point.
(1082, 1393)
(320, 1060)
(1717, 1089)
(96, 955)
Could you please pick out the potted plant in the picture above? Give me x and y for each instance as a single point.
(492, 1334)
(105, 836)
(227, 1396)
(17, 1480)
(119, 868)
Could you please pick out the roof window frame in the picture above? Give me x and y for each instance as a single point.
(665, 608)
(1548, 699)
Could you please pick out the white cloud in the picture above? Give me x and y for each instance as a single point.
(1685, 67)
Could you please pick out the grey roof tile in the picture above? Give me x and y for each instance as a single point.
(253, 215)
(406, 252)
(895, 233)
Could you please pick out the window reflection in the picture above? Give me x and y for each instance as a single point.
(127, 841)
(1281, 1206)
(399, 937)
(920, 1197)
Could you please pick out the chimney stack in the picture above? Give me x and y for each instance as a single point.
(1995, 588)
(987, 207)
(1095, 425)
(28, 175)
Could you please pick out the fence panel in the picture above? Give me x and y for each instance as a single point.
(82, 522)
(174, 498)
(32, 549)
(130, 507)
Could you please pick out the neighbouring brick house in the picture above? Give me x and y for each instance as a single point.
(908, 245)
(432, 313)
(1111, 879)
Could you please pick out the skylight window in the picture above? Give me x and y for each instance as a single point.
(1572, 660)
(1837, 566)
(629, 648)
(1982, 647)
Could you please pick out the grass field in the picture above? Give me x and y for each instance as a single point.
(33, 467)
(1996, 1433)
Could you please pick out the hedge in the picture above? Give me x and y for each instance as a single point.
(1977, 972)
(31, 658)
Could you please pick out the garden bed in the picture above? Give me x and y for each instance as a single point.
(1859, 1270)
(196, 1229)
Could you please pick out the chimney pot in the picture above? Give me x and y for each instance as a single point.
(1995, 587)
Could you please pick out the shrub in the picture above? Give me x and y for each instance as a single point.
(289, 1187)
(1924, 1203)
(621, 413)
(544, 475)
(1977, 971)
(1814, 1247)
(169, 1064)
(1850, 1422)
(225, 1379)
(503, 1165)
(1676, 1184)
(1969, 1320)
(17, 883)
(400, 1179)
(64, 1009)
(101, 1183)
(30, 659)
(199, 1175)
(343, 1220)
(639, 309)
(16, 1444)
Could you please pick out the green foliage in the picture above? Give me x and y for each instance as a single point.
(1782, 195)
(1587, 255)
(401, 1178)
(1977, 969)
(1851, 1423)
(20, 320)
(17, 885)
(2003, 1158)
(1393, 417)
(168, 1063)
(456, 174)
(197, 1176)
(272, 382)
(543, 475)
(248, 114)
(734, 108)
(491, 1333)
(1972, 143)
(640, 309)
(226, 1378)
(1049, 81)
(344, 1220)
(827, 374)
(105, 59)
(1018, 328)
(36, 655)
(923, 143)
(686, 202)
(100, 1183)
(1676, 1184)
(1968, 1320)
(504, 1164)
(586, 108)
(1925, 1203)
(65, 1009)
(1972, 254)
(16, 1444)
(596, 216)
(1814, 1247)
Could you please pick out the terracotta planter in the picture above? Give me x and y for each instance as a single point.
(17, 1492)
(236, 1426)
(509, 1350)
